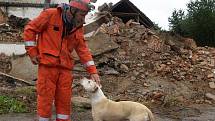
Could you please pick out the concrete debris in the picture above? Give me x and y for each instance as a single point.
(17, 22)
(81, 102)
(212, 85)
(24, 69)
(13, 28)
(210, 96)
(111, 71)
(104, 7)
(5, 63)
(10, 82)
(181, 60)
(101, 44)
(8, 33)
(13, 49)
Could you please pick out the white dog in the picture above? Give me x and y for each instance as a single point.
(104, 109)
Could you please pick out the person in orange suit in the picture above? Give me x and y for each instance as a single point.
(49, 40)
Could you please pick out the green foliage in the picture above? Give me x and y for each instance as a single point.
(29, 91)
(8, 105)
(176, 22)
(156, 27)
(199, 23)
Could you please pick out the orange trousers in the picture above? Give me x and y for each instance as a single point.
(54, 86)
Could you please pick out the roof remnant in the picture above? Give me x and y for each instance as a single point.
(131, 12)
(107, 11)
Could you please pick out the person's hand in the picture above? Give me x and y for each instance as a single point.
(35, 60)
(95, 77)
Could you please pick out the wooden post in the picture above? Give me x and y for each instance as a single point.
(138, 18)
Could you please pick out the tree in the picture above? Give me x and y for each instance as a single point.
(176, 21)
(199, 23)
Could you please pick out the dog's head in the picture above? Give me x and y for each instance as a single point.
(89, 85)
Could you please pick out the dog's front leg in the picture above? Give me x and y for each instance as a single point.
(97, 120)
(95, 117)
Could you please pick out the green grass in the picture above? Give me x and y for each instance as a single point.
(11, 105)
(30, 90)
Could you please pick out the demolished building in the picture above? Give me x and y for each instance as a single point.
(130, 13)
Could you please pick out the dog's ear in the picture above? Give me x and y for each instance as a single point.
(83, 78)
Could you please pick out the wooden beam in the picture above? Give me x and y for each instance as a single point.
(29, 83)
(124, 14)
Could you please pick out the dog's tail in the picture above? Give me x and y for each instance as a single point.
(151, 116)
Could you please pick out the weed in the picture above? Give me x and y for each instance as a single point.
(11, 105)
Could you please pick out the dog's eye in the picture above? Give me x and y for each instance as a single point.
(88, 81)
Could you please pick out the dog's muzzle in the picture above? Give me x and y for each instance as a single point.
(95, 89)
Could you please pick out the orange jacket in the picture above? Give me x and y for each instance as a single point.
(43, 38)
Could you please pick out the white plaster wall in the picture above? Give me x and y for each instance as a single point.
(12, 49)
(25, 12)
(28, 12)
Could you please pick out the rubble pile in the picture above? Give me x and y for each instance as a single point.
(17, 22)
(143, 53)
(12, 32)
(7, 83)
(9, 34)
(5, 63)
(146, 66)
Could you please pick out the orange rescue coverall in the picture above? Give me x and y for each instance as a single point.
(43, 38)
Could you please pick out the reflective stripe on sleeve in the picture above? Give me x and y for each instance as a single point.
(89, 63)
(30, 43)
(43, 119)
(61, 116)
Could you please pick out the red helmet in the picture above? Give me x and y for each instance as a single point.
(84, 5)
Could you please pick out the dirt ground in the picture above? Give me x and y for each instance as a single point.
(205, 113)
(173, 108)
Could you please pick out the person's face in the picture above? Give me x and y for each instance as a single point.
(76, 17)
(80, 17)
